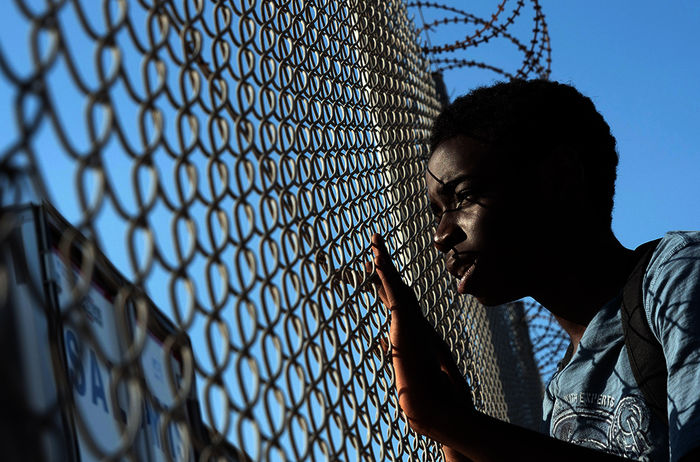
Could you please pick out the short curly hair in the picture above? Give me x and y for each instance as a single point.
(527, 120)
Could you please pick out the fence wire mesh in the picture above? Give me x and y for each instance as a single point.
(221, 167)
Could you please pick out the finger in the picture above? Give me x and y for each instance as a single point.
(347, 274)
(388, 274)
(397, 295)
(371, 275)
(407, 322)
(382, 258)
(384, 344)
(381, 348)
(374, 281)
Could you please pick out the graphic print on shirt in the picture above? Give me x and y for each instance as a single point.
(598, 421)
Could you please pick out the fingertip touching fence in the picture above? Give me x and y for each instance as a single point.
(188, 190)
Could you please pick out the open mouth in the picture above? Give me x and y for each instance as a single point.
(465, 277)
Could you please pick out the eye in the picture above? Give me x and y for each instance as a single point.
(465, 197)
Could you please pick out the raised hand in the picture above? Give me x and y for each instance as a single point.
(432, 392)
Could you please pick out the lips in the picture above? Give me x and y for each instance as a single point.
(464, 280)
(461, 265)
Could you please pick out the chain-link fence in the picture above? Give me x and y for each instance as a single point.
(218, 170)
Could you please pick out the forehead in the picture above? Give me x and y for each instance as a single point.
(457, 158)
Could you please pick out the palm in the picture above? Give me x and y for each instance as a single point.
(430, 388)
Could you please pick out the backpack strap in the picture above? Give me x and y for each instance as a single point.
(645, 353)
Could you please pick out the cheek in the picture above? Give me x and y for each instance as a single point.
(485, 226)
(500, 236)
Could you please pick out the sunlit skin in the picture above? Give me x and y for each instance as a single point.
(514, 233)
(474, 228)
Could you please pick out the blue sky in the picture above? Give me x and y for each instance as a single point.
(638, 61)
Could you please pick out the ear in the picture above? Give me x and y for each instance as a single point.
(564, 178)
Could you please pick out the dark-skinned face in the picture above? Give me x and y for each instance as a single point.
(481, 222)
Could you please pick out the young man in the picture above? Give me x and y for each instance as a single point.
(521, 181)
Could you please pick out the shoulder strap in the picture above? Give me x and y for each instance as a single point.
(645, 353)
(566, 358)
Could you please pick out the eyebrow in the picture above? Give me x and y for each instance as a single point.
(448, 185)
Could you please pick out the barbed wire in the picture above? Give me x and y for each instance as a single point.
(536, 54)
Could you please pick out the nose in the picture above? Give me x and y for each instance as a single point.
(448, 233)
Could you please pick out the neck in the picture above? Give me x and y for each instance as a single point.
(579, 281)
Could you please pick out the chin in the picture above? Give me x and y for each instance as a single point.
(490, 300)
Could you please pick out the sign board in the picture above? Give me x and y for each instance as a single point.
(77, 318)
